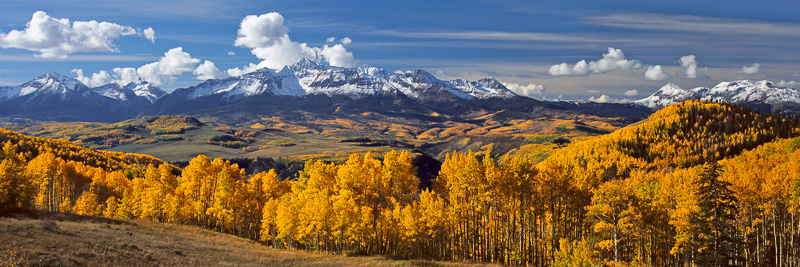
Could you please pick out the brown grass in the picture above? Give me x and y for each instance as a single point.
(52, 239)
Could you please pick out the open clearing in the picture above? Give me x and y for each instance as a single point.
(54, 239)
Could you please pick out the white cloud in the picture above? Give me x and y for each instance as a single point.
(125, 75)
(526, 90)
(580, 69)
(269, 40)
(656, 73)
(751, 70)
(207, 71)
(690, 63)
(261, 31)
(594, 92)
(632, 92)
(150, 34)
(57, 38)
(790, 84)
(602, 99)
(607, 99)
(231, 53)
(244, 70)
(338, 56)
(162, 72)
(401, 72)
(614, 59)
(97, 79)
(330, 40)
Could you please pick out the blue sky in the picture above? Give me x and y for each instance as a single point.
(521, 43)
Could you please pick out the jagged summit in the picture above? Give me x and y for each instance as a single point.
(307, 77)
(48, 83)
(141, 90)
(147, 90)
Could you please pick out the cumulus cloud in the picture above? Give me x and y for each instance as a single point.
(162, 72)
(607, 99)
(632, 92)
(580, 69)
(207, 71)
(231, 53)
(244, 70)
(526, 90)
(125, 75)
(655, 73)
(602, 99)
(150, 34)
(57, 38)
(97, 79)
(269, 41)
(751, 70)
(689, 62)
(337, 55)
(613, 60)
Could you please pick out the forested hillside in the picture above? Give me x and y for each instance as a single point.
(698, 183)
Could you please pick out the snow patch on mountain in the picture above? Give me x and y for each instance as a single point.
(147, 90)
(738, 92)
(48, 83)
(307, 77)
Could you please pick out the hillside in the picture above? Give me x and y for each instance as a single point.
(54, 239)
(319, 136)
(31, 147)
(682, 135)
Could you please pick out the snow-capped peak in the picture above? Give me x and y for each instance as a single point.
(739, 92)
(52, 83)
(671, 89)
(147, 90)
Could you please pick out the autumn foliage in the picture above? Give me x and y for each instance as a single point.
(679, 189)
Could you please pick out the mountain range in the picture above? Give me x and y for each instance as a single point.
(762, 95)
(308, 86)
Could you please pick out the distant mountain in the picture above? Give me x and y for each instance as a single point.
(135, 91)
(304, 86)
(761, 95)
(309, 86)
(309, 78)
(52, 96)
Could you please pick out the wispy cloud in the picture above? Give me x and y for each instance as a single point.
(695, 24)
(489, 35)
(200, 9)
(97, 58)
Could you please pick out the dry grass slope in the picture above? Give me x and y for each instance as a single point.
(52, 239)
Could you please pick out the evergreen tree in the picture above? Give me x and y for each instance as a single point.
(716, 239)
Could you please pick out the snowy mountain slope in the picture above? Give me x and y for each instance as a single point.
(140, 91)
(48, 83)
(52, 96)
(309, 78)
(738, 92)
(147, 90)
